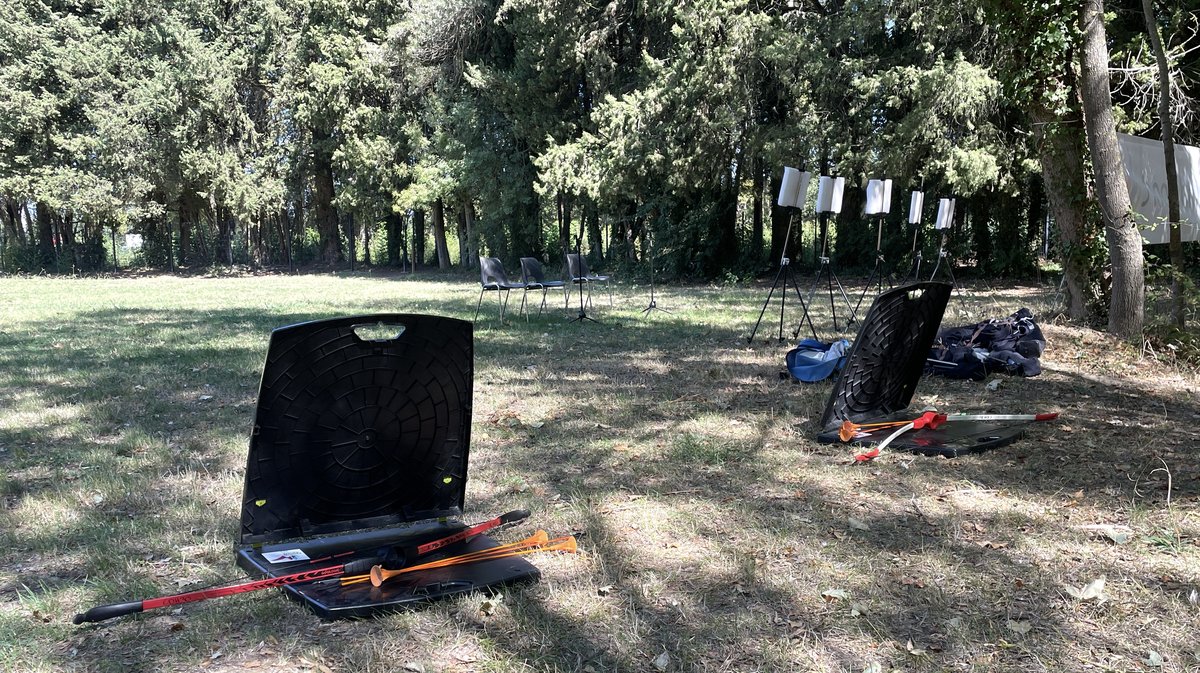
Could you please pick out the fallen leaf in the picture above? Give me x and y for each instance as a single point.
(662, 661)
(913, 582)
(1118, 537)
(1094, 590)
(1022, 627)
(415, 667)
(1154, 659)
(857, 524)
(832, 595)
(857, 609)
(605, 590)
(915, 651)
(873, 667)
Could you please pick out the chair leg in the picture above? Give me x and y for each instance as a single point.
(524, 293)
(609, 293)
(478, 304)
(542, 306)
(502, 303)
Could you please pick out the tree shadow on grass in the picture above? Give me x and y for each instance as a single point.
(734, 607)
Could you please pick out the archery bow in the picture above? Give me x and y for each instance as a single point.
(537, 542)
(102, 612)
(928, 419)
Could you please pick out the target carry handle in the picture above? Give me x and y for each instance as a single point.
(103, 612)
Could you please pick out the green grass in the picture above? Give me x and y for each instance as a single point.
(711, 521)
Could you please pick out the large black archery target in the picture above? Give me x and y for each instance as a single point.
(351, 432)
(888, 356)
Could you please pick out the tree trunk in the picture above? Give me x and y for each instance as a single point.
(468, 213)
(595, 237)
(394, 226)
(45, 233)
(1167, 124)
(461, 232)
(325, 218)
(756, 210)
(1126, 305)
(1061, 153)
(418, 238)
(565, 210)
(439, 234)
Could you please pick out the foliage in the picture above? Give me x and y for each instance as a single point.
(243, 132)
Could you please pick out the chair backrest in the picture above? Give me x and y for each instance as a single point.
(491, 271)
(577, 266)
(531, 271)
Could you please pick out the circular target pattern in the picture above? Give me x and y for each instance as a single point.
(349, 429)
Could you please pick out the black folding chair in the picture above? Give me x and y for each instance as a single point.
(533, 277)
(492, 277)
(577, 269)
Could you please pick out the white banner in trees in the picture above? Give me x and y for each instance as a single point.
(1146, 175)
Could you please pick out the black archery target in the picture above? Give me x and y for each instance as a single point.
(359, 431)
(881, 375)
(888, 356)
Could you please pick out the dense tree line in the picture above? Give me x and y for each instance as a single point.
(284, 132)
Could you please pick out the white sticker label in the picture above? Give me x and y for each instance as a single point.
(285, 556)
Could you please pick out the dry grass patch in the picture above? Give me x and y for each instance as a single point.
(716, 534)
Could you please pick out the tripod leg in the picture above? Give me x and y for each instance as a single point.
(870, 280)
(846, 298)
(832, 308)
(806, 317)
(764, 307)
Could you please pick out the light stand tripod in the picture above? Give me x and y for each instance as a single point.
(784, 274)
(916, 270)
(942, 255)
(877, 275)
(793, 192)
(915, 206)
(583, 316)
(945, 220)
(831, 278)
(650, 246)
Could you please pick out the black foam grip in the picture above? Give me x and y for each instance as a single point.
(362, 566)
(102, 612)
(515, 515)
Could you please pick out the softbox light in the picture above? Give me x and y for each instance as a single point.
(794, 188)
(874, 197)
(835, 198)
(915, 205)
(887, 197)
(945, 216)
(824, 193)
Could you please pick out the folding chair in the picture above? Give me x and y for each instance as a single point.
(492, 277)
(533, 276)
(578, 270)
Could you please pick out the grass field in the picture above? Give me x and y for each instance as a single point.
(716, 534)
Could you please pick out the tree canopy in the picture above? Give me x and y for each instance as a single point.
(283, 132)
